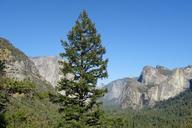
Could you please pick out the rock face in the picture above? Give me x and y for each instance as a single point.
(132, 95)
(20, 67)
(48, 68)
(154, 85)
(115, 89)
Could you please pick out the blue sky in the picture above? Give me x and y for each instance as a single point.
(135, 32)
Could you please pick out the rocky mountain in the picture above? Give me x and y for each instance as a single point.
(20, 67)
(154, 85)
(115, 89)
(48, 68)
(24, 93)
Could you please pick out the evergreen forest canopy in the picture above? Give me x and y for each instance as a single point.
(24, 105)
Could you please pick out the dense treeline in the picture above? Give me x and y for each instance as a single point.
(25, 110)
(173, 113)
(23, 107)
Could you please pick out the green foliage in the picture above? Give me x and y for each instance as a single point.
(14, 86)
(26, 112)
(173, 113)
(3, 101)
(188, 124)
(8, 87)
(83, 58)
(24, 107)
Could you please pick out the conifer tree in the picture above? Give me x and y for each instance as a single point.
(83, 59)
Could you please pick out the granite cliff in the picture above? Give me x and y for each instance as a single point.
(153, 85)
(48, 68)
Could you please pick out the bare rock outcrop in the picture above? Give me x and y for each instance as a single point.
(48, 68)
(114, 93)
(154, 84)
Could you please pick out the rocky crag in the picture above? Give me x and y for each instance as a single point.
(153, 85)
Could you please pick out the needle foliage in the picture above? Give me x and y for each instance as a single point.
(83, 60)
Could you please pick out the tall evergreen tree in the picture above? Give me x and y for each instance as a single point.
(83, 59)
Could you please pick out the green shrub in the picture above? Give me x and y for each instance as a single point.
(14, 86)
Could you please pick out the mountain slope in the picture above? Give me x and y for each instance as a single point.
(154, 85)
(20, 67)
(114, 90)
(26, 93)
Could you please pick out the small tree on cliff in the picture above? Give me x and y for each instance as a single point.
(83, 59)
